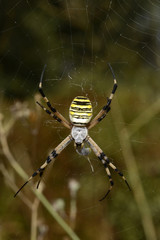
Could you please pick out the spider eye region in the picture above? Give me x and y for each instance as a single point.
(80, 111)
(79, 134)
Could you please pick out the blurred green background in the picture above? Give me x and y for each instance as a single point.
(76, 39)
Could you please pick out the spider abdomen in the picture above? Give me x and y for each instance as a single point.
(80, 111)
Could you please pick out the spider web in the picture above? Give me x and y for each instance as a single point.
(77, 39)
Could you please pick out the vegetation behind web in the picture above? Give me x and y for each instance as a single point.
(53, 34)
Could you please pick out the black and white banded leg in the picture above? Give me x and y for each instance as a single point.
(106, 108)
(57, 115)
(53, 115)
(50, 158)
(106, 162)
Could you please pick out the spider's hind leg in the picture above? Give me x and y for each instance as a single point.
(40, 171)
(106, 162)
(103, 156)
(110, 180)
(50, 158)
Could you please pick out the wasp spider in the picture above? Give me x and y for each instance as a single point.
(80, 113)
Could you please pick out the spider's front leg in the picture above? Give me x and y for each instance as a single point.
(106, 162)
(106, 108)
(51, 157)
(54, 113)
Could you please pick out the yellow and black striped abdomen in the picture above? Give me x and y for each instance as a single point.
(80, 111)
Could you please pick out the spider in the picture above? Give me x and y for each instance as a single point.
(80, 113)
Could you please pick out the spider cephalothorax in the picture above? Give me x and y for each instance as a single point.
(80, 113)
(79, 134)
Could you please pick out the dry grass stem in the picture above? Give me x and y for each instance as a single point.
(12, 185)
(138, 191)
(40, 197)
(144, 117)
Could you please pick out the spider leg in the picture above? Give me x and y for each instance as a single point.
(55, 112)
(106, 162)
(110, 180)
(106, 108)
(51, 157)
(41, 174)
(53, 115)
